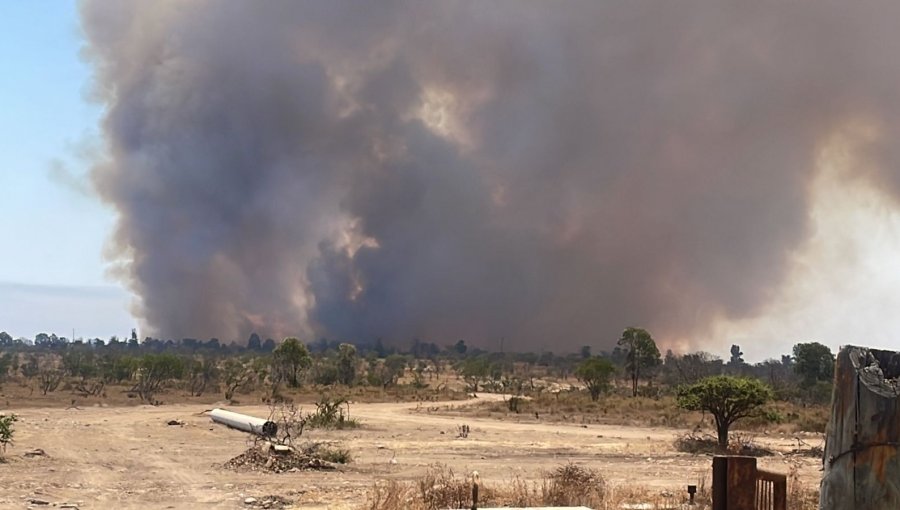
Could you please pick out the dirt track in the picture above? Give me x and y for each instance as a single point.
(128, 457)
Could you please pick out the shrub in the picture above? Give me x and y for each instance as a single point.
(330, 415)
(6, 431)
(572, 485)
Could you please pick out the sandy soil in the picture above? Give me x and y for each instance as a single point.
(128, 457)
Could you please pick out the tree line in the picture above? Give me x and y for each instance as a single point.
(149, 366)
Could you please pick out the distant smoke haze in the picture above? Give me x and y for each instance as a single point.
(548, 173)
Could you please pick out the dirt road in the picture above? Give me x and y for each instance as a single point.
(129, 457)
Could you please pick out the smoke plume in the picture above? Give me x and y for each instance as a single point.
(548, 173)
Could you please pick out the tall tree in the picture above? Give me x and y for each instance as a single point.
(737, 357)
(346, 364)
(641, 356)
(813, 362)
(254, 343)
(290, 359)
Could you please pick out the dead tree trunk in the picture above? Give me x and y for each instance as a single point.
(862, 442)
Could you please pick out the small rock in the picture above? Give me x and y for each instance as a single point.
(39, 502)
(250, 501)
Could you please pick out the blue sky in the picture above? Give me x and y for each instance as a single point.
(53, 230)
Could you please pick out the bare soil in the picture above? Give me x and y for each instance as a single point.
(129, 457)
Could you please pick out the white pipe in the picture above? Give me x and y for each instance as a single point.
(243, 422)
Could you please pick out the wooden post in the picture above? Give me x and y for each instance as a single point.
(734, 483)
(862, 441)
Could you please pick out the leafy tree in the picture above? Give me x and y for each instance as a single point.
(585, 351)
(5, 339)
(460, 347)
(386, 372)
(115, 368)
(692, 367)
(201, 373)
(290, 359)
(346, 364)
(254, 343)
(43, 339)
(737, 357)
(727, 398)
(235, 375)
(475, 371)
(154, 370)
(395, 366)
(642, 354)
(813, 362)
(595, 373)
(79, 362)
(6, 431)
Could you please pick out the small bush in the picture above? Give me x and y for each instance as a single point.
(696, 443)
(330, 415)
(572, 485)
(440, 488)
(328, 454)
(6, 431)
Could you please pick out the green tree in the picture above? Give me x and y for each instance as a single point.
(346, 364)
(727, 398)
(5, 339)
(737, 357)
(813, 362)
(595, 373)
(475, 371)
(236, 374)
(642, 354)
(290, 359)
(385, 372)
(6, 431)
(154, 371)
(201, 373)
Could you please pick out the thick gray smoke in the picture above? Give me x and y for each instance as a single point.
(540, 171)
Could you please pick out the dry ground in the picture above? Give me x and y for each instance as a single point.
(128, 457)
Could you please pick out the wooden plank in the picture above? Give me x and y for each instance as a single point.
(862, 441)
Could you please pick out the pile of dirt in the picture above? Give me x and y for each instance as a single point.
(270, 460)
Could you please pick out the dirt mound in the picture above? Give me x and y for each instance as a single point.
(274, 461)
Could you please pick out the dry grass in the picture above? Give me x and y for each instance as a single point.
(574, 406)
(567, 485)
